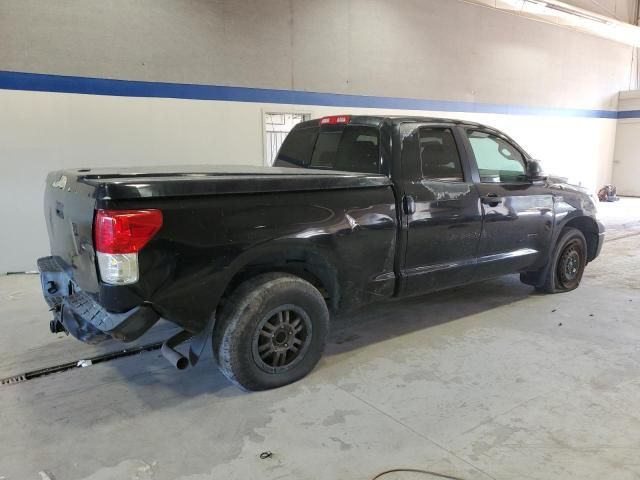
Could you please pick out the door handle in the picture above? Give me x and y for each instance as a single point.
(409, 205)
(491, 199)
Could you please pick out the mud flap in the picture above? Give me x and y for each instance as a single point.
(199, 341)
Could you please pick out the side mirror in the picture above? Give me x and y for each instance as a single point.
(534, 170)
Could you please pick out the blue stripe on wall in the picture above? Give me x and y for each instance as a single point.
(37, 82)
(629, 114)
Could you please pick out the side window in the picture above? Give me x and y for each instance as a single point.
(498, 161)
(439, 155)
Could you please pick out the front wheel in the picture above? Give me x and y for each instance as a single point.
(566, 265)
(272, 331)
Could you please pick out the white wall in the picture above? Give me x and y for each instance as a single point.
(42, 131)
(422, 49)
(435, 49)
(626, 164)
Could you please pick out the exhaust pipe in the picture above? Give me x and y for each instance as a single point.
(176, 358)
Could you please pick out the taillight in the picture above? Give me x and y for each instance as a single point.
(335, 119)
(119, 236)
(125, 231)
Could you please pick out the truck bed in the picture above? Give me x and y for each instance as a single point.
(215, 220)
(142, 182)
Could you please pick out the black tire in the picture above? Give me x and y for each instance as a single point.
(564, 271)
(271, 331)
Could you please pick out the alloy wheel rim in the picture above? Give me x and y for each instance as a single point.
(281, 339)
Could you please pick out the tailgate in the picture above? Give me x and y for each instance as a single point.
(69, 209)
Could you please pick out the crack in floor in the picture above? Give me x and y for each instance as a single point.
(419, 434)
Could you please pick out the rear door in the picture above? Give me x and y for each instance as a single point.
(441, 209)
(517, 214)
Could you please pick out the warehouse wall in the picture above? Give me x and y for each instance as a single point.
(626, 163)
(553, 89)
(623, 10)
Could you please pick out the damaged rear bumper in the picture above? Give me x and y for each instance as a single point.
(81, 315)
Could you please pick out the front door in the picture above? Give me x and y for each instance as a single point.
(441, 210)
(517, 215)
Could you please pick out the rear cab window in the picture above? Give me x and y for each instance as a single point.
(344, 147)
(297, 148)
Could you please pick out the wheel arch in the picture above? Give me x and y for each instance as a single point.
(309, 264)
(589, 229)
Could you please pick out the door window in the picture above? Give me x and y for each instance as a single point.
(439, 155)
(498, 161)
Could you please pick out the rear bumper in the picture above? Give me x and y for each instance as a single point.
(81, 315)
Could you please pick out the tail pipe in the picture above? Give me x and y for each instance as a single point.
(175, 358)
(168, 350)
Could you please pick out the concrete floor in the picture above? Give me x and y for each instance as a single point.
(490, 381)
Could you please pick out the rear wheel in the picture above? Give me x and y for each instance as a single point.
(564, 271)
(271, 331)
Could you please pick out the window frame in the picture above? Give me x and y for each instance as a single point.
(525, 158)
(451, 129)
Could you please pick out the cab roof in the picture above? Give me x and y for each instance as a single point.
(377, 120)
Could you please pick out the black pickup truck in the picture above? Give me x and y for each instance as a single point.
(356, 209)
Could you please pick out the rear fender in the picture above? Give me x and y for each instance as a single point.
(315, 264)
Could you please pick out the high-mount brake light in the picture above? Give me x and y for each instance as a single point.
(335, 119)
(119, 235)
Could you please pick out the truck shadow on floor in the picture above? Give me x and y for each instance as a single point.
(145, 383)
(380, 322)
(350, 331)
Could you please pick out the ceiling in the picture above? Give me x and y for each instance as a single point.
(612, 19)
